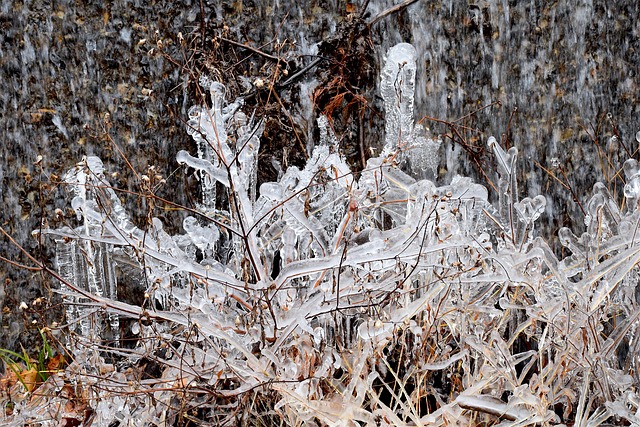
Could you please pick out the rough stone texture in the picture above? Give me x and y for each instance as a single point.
(78, 78)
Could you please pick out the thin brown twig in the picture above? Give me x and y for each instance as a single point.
(17, 264)
(121, 153)
(286, 112)
(484, 107)
(474, 157)
(268, 56)
(571, 190)
(391, 10)
(16, 244)
(203, 25)
(299, 74)
(552, 175)
(506, 141)
(445, 122)
(363, 156)
(453, 126)
(363, 9)
(617, 135)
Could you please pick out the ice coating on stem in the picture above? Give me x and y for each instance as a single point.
(213, 172)
(603, 215)
(247, 148)
(204, 123)
(632, 187)
(205, 238)
(87, 265)
(528, 210)
(505, 160)
(398, 89)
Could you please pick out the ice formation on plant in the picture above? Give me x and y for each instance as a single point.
(306, 286)
(88, 263)
(398, 91)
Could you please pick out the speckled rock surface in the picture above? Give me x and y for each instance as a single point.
(77, 78)
(83, 79)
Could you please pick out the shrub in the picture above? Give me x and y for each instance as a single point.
(327, 298)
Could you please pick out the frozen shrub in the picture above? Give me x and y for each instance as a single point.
(331, 300)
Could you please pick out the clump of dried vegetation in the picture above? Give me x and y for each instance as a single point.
(329, 297)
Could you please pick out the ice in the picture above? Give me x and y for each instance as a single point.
(72, 270)
(247, 147)
(603, 215)
(207, 126)
(632, 187)
(376, 331)
(211, 171)
(272, 191)
(517, 233)
(492, 405)
(89, 265)
(205, 238)
(465, 188)
(397, 90)
(505, 160)
(438, 366)
(420, 150)
(288, 252)
(424, 154)
(267, 292)
(529, 210)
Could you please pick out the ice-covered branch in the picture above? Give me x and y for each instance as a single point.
(361, 290)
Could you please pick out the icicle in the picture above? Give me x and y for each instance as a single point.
(247, 147)
(88, 265)
(507, 184)
(397, 90)
(424, 154)
(207, 127)
(73, 272)
(632, 187)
